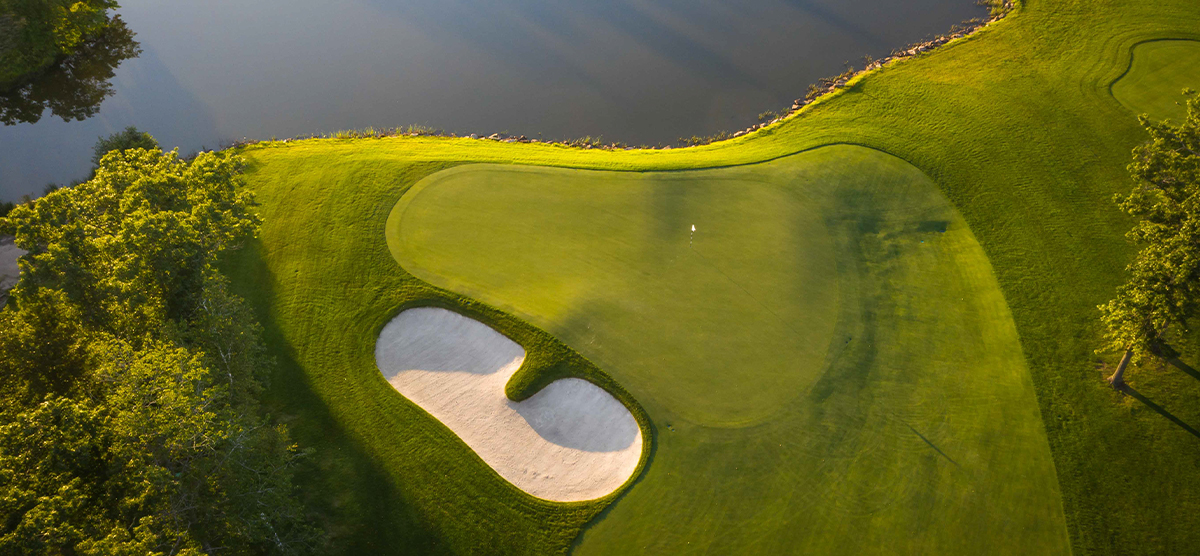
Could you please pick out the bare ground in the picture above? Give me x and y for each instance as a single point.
(8, 266)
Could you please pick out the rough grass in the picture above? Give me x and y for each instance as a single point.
(1017, 126)
(801, 329)
(1159, 71)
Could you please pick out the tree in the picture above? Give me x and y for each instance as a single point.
(53, 466)
(44, 335)
(130, 375)
(128, 138)
(154, 461)
(1164, 285)
(133, 246)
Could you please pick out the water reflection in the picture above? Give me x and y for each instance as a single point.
(74, 88)
(636, 71)
(147, 95)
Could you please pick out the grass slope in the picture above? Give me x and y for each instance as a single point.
(1160, 70)
(1017, 126)
(828, 362)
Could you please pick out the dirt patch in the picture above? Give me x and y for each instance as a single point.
(571, 441)
(9, 272)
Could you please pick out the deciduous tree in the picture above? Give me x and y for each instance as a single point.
(1163, 289)
(130, 374)
(126, 139)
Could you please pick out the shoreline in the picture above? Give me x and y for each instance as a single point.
(825, 89)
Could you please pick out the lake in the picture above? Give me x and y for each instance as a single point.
(635, 71)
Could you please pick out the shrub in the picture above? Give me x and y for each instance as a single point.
(128, 138)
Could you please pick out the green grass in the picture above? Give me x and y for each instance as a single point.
(385, 476)
(1016, 126)
(832, 327)
(1159, 72)
(726, 331)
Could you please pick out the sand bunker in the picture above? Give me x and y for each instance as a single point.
(571, 441)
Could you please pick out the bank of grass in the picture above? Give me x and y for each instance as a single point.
(1016, 125)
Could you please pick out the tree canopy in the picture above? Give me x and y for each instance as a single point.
(129, 373)
(128, 138)
(1163, 289)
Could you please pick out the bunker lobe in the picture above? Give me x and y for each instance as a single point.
(571, 441)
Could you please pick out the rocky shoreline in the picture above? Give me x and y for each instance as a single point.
(831, 85)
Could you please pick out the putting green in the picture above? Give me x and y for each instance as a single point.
(827, 360)
(1159, 72)
(610, 262)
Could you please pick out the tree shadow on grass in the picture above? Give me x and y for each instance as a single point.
(1178, 364)
(342, 486)
(929, 442)
(1159, 409)
(1171, 356)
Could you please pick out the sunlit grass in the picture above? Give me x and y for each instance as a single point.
(1018, 128)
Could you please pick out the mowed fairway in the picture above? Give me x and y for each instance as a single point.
(1159, 72)
(827, 361)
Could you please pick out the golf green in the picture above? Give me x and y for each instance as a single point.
(826, 359)
(610, 262)
(1159, 72)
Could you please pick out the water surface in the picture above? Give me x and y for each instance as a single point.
(636, 71)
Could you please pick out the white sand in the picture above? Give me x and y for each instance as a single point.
(571, 441)
(8, 264)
